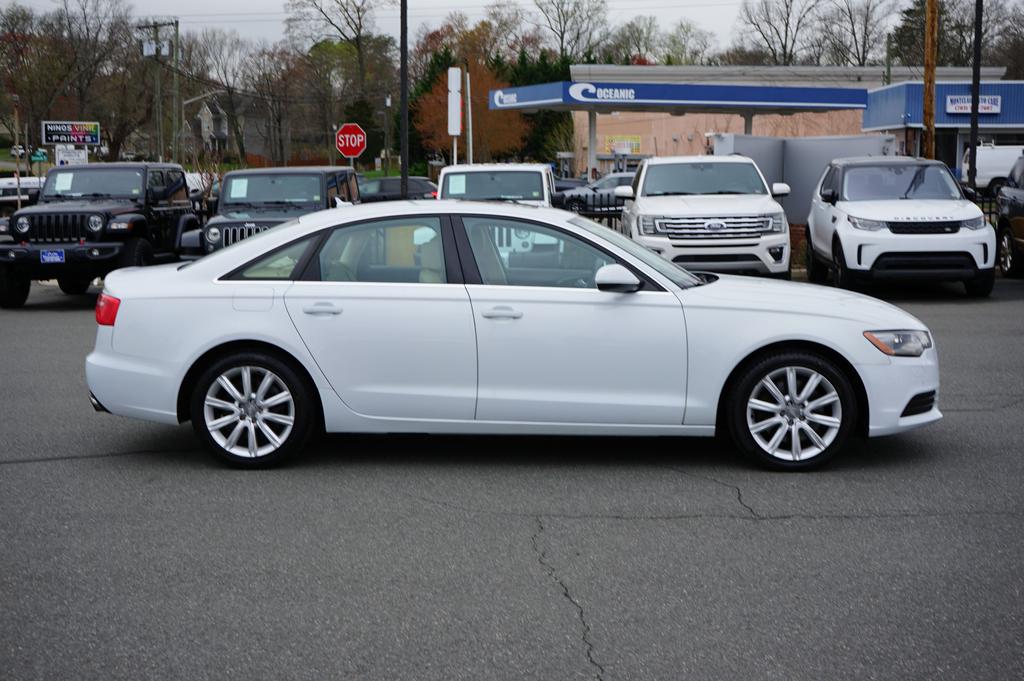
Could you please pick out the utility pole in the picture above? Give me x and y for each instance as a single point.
(175, 141)
(155, 27)
(17, 160)
(931, 41)
(972, 152)
(404, 103)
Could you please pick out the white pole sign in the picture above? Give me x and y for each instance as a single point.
(454, 101)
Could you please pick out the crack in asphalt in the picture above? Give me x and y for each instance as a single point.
(735, 488)
(104, 455)
(550, 569)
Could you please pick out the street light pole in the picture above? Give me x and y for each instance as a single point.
(404, 88)
(972, 152)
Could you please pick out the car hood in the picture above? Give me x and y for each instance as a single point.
(78, 207)
(268, 216)
(910, 210)
(718, 205)
(756, 294)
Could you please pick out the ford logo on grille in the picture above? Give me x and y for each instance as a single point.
(714, 225)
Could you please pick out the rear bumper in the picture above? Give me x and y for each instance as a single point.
(93, 259)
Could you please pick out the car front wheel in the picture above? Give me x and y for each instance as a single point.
(791, 411)
(14, 288)
(252, 410)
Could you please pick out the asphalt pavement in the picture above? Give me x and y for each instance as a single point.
(126, 552)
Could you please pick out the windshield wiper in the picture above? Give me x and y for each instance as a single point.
(727, 191)
(94, 195)
(283, 203)
(671, 194)
(915, 181)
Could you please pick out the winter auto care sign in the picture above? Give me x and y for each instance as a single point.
(71, 132)
(961, 104)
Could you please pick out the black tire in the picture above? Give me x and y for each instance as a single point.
(742, 389)
(73, 286)
(981, 286)
(817, 273)
(994, 186)
(137, 253)
(301, 411)
(14, 289)
(1010, 259)
(841, 275)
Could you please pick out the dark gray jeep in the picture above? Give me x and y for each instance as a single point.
(252, 201)
(91, 219)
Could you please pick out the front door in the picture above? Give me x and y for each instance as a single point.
(386, 317)
(552, 348)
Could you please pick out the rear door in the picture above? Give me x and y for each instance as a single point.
(383, 310)
(822, 217)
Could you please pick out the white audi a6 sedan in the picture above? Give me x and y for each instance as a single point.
(458, 317)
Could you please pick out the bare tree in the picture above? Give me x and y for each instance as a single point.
(90, 29)
(640, 38)
(513, 29)
(854, 31)
(778, 26)
(227, 53)
(268, 72)
(351, 21)
(687, 43)
(577, 27)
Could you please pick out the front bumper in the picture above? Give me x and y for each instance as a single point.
(94, 259)
(884, 255)
(896, 388)
(768, 254)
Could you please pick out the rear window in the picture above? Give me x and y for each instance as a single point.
(494, 185)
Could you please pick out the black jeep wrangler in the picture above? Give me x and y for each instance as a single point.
(252, 201)
(92, 219)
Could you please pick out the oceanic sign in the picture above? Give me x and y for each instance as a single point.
(71, 132)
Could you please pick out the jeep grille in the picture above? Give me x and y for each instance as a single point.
(58, 227)
(236, 233)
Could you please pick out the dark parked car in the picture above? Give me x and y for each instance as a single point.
(92, 219)
(597, 196)
(1010, 235)
(252, 201)
(389, 188)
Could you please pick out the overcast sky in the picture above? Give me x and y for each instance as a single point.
(264, 19)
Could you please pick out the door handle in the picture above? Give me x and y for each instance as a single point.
(322, 309)
(501, 312)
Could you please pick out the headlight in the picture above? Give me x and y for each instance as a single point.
(4, 226)
(647, 224)
(22, 225)
(975, 223)
(213, 235)
(95, 223)
(900, 343)
(869, 225)
(777, 223)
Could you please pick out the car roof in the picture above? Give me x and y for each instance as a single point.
(135, 165)
(290, 170)
(365, 211)
(883, 160)
(666, 160)
(488, 167)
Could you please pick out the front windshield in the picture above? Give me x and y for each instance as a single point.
(257, 189)
(674, 179)
(94, 182)
(494, 185)
(674, 273)
(899, 181)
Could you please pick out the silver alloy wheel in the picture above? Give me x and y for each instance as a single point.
(249, 411)
(1006, 252)
(794, 413)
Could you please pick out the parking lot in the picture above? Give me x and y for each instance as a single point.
(127, 552)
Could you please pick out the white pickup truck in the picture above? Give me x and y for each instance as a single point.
(709, 213)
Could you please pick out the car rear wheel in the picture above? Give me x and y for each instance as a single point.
(252, 410)
(982, 285)
(14, 289)
(791, 411)
(73, 286)
(1010, 263)
(817, 273)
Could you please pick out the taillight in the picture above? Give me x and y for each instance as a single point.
(434, 194)
(106, 309)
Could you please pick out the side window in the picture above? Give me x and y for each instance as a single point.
(176, 187)
(353, 188)
(636, 181)
(829, 181)
(403, 250)
(514, 253)
(624, 181)
(155, 182)
(278, 265)
(390, 186)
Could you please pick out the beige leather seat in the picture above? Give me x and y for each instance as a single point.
(432, 262)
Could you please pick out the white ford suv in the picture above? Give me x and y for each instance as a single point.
(885, 218)
(709, 213)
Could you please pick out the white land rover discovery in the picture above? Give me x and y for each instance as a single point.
(708, 213)
(885, 218)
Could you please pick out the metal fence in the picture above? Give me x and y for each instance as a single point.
(603, 207)
(990, 208)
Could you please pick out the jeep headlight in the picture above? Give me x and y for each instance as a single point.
(118, 226)
(647, 225)
(4, 226)
(22, 226)
(776, 223)
(213, 235)
(95, 223)
(975, 223)
(868, 225)
(900, 343)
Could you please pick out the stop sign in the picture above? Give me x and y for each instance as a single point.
(350, 140)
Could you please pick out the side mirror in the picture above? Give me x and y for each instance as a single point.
(780, 189)
(616, 279)
(624, 192)
(33, 197)
(195, 195)
(828, 195)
